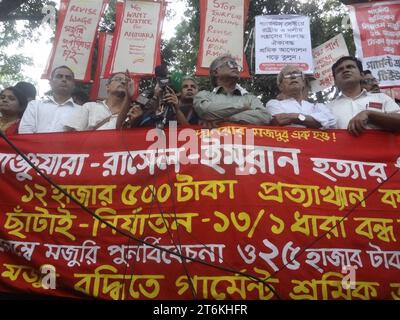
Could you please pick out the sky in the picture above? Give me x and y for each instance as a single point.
(40, 51)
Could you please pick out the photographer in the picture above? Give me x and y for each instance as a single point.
(163, 107)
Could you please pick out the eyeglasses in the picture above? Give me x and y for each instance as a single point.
(295, 74)
(120, 79)
(231, 64)
(369, 81)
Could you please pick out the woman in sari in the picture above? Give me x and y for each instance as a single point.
(12, 106)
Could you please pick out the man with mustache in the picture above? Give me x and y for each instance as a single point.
(48, 115)
(293, 110)
(369, 82)
(355, 108)
(103, 115)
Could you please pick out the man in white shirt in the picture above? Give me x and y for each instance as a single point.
(103, 115)
(293, 109)
(48, 115)
(369, 82)
(355, 108)
(229, 101)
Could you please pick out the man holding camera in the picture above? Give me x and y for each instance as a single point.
(103, 115)
(164, 106)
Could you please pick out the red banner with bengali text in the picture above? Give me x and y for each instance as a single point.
(233, 213)
(376, 37)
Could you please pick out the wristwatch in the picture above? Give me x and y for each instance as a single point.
(301, 117)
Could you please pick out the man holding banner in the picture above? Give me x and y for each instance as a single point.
(229, 101)
(355, 108)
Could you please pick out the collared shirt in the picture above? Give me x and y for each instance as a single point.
(90, 115)
(318, 111)
(239, 90)
(238, 106)
(46, 115)
(345, 108)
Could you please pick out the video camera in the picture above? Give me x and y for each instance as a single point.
(144, 100)
(162, 77)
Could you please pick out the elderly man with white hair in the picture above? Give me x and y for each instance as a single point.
(229, 101)
(293, 109)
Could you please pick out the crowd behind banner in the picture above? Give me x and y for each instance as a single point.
(359, 106)
(296, 214)
(245, 212)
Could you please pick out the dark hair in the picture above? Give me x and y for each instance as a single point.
(61, 67)
(191, 79)
(340, 60)
(81, 95)
(22, 101)
(26, 88)
(367, 72)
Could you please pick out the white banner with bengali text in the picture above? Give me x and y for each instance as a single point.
(281, 40)
(324, 57)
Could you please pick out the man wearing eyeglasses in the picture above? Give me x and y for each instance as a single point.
(369, 82)
(103, 115)
(355, 108)
(228, 101)
(294, 110)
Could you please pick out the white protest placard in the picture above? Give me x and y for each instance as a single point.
(137, 38)
(325, 56)
(75, 34)
(221, 31)
(281, 40)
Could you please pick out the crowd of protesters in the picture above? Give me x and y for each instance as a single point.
(359, 105)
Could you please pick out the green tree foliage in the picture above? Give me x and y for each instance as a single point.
(19, 20)
(326, 21)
